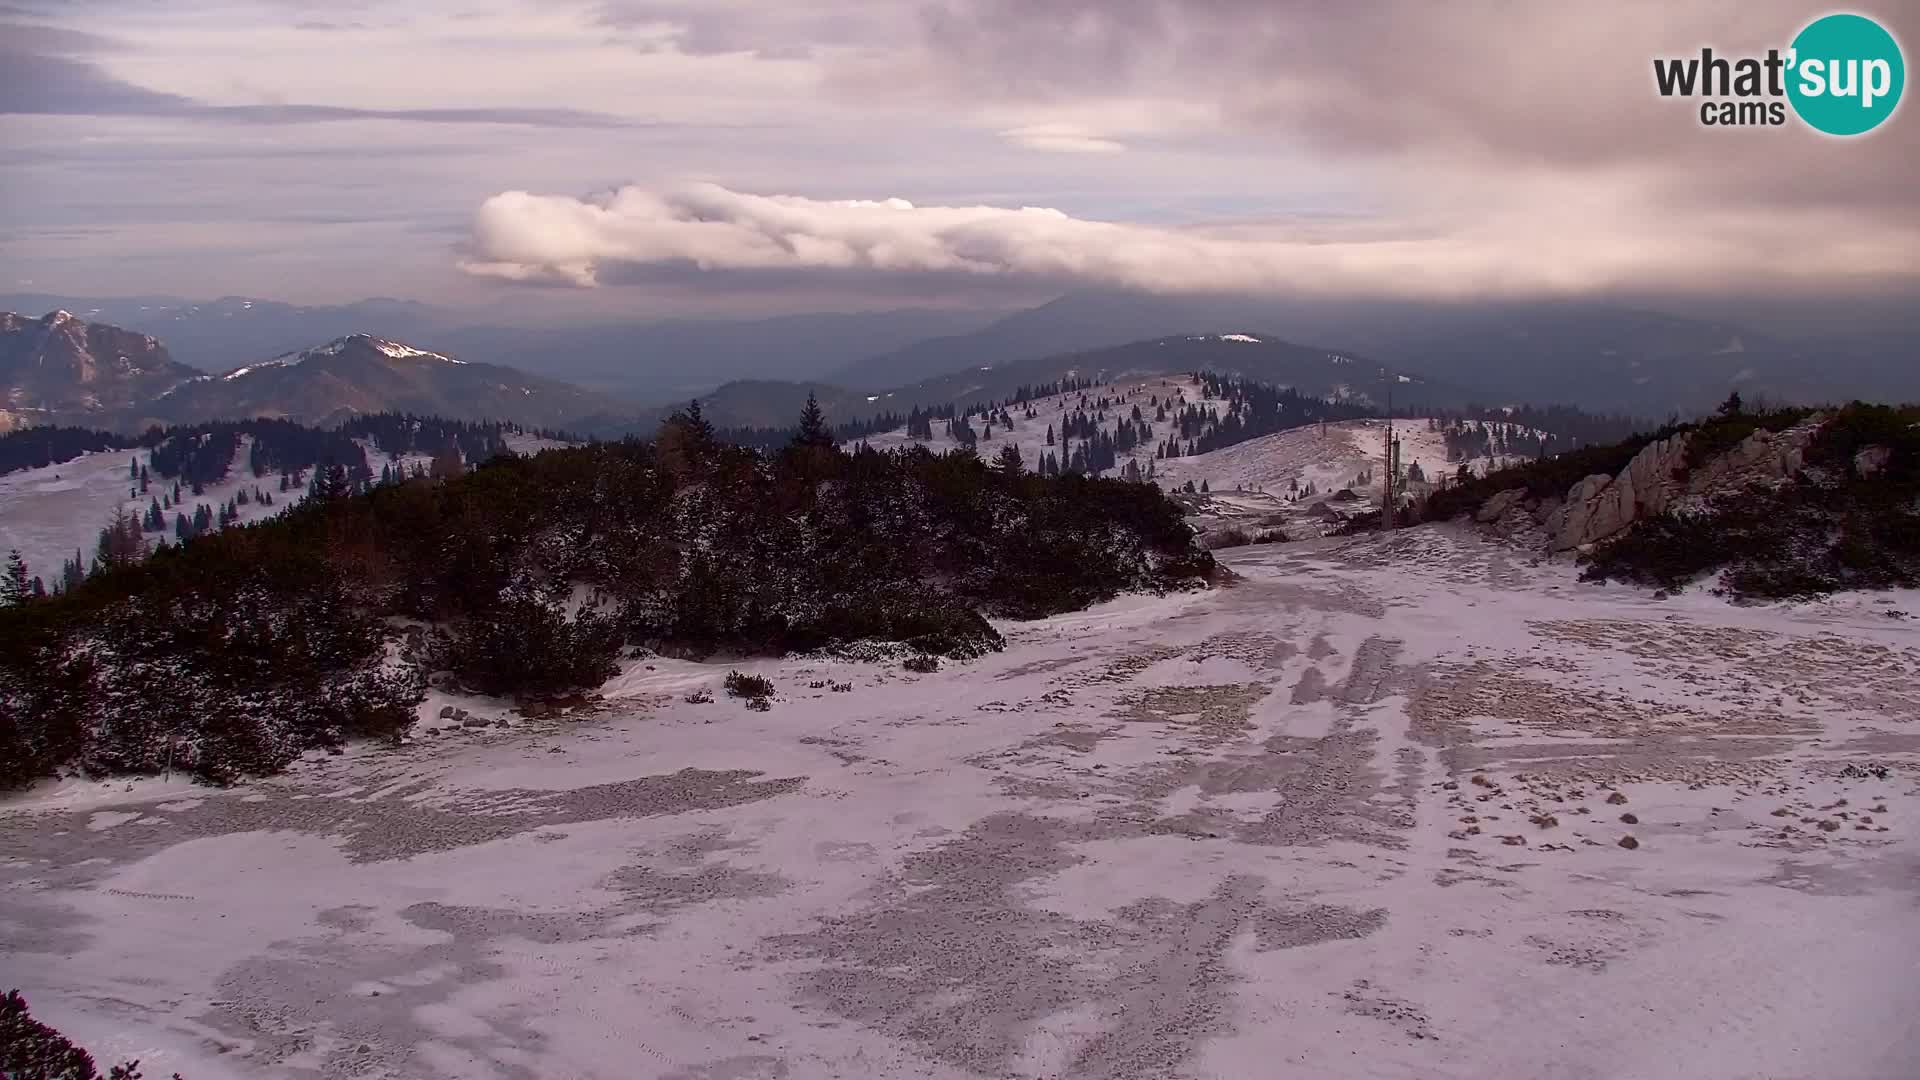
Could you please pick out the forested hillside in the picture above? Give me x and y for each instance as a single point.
(231, 653)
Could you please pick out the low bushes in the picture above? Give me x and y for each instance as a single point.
(751, 687)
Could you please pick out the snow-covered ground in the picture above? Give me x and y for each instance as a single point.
(1359, 814)
(49, 513)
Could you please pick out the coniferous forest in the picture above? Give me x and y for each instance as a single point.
(233, 652)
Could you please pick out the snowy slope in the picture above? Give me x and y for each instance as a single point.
(50, 512)
(1331, 457)
(1354, 817)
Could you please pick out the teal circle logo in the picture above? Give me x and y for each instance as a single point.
(1845, 74)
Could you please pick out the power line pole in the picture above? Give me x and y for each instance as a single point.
(1391, 448)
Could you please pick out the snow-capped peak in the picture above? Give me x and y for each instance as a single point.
(402, 352)
(251, 368)
(1247, 339)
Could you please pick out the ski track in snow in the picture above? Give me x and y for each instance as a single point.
(1351, 815)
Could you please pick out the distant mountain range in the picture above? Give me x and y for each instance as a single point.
(1600, 357)
(651, 362)
(363, 374)
(64, 370)
(1603, 357)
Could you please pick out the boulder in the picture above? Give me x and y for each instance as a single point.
(1497, 506)
(446, 712)
(473, 721)
(1871, 459)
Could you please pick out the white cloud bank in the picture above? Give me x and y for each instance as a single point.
(1539, 242)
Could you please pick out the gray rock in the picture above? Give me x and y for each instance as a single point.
(1601, 506)
(1871, 459)
(474, 722)
(1496, 507)
(446, 712)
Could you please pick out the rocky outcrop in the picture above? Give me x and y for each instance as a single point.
(1601, 505)
(1763, 457)
(1657, 480)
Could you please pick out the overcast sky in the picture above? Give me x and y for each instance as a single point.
(650, 156)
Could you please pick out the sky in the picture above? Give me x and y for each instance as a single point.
(667, 156)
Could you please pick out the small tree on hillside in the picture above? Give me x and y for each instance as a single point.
(1009, 459)
(446, 464)
(121, 543)
(16, 588)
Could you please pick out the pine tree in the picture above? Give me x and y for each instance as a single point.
(813, 425)
(446, 465)
(1049, 434)
(16, 588)
(1009, 459)
(121, 542)
(701, 429)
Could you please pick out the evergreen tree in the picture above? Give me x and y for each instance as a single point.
(813, 425)
(1009, 460)
(16, 587)
(120, 543)
(446, 464)
(697, 423)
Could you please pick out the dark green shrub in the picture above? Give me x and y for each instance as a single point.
(752, 687)
(527, 647)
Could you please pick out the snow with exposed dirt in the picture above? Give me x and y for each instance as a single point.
(1382, 807)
